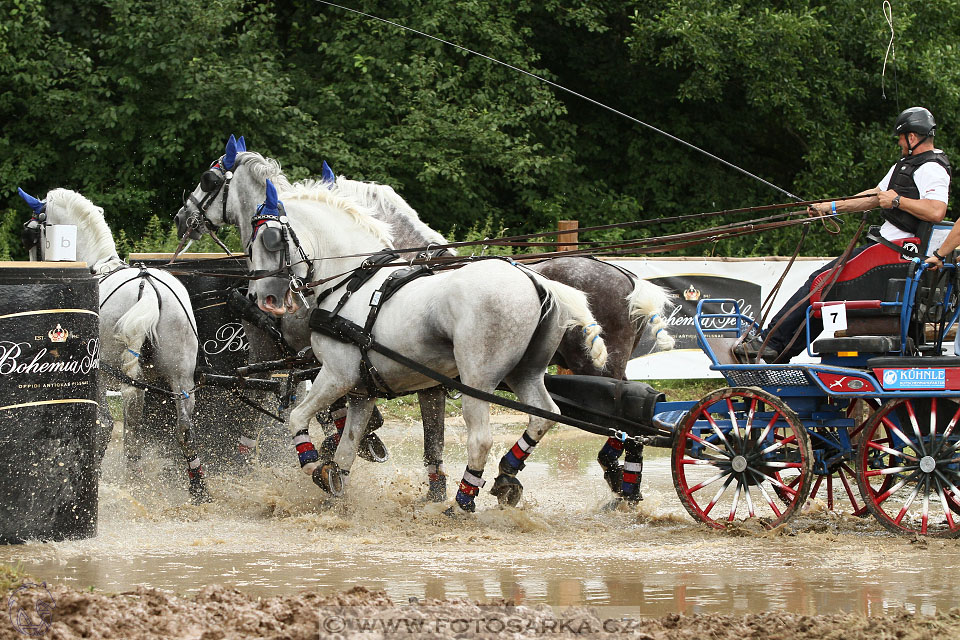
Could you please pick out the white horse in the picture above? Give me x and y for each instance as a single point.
(484, 322)
(624, 305)
(147, 328)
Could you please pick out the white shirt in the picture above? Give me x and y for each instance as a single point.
(934, 184)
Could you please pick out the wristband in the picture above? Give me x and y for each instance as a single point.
(833, 206)
(938, 256)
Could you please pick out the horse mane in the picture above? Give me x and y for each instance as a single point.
(263, 168)
(89, 218)
(319, 192)
(383, 198)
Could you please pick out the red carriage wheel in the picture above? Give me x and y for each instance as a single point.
(908, 466)
(741, 453)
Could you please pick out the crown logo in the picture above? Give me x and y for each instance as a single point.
(58, 335)
(691, 294)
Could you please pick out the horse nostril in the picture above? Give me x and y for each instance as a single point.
(271, 301)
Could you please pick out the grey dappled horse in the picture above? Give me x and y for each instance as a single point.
(147, 328)
(623, 304)
(485, 322)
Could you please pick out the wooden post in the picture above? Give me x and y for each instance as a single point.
(573, 236)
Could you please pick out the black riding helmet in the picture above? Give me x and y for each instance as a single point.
(916, 120)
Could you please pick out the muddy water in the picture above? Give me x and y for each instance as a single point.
(271, 532)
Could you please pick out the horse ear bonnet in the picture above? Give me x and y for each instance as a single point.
(272, 237)
(241, 144)
(327, 176)
(230, 154)
(36, 205)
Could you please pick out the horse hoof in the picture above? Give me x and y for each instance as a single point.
(457, 510)
(372, 448)
(327, 477)
(507, 489)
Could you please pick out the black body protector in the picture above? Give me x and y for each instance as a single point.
(902, 182)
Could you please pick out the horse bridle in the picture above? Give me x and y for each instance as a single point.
(212, 182)
(32, 231)
(277, 236)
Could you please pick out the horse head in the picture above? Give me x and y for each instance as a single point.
(204, 209)
(30, 235)
(272, 243)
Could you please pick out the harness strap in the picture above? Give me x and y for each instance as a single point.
(346, 331)
(874, 234)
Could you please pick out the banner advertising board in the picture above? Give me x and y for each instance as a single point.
(746, 280)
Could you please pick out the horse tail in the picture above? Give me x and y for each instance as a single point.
(648, 302)
(140, 322)
(576, 313)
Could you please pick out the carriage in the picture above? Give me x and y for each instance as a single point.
(872, 427)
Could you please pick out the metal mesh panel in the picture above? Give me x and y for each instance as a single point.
(767, 378)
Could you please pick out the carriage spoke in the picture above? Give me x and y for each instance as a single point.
(709, 481)
(892, 452)
(943, 503)
(769, 500)
(948, 431)
(895, 430)
(735, 424)
(925, 519)
(843, 472)
(774, 482)
(749, 421)
(736, 501)
(882, 497)
(774, 446)
(953, 487)
(749, 498)
(717, 497)
(916, 427)
(710, 445)
(889, 471)
(766, 430)
(719, 432)
(906, 505)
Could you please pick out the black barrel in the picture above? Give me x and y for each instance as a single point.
(49, 394)
(215, 287)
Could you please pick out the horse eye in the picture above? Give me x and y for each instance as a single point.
(210, 180)
(272, 239)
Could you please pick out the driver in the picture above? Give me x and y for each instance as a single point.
(912, 192)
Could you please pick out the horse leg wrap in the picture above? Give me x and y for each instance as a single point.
(245, 449)
(198, 488)
(469, 488)
(305, 450)
(436, 482)
(609, 459)
(632, 472)
(515, 459)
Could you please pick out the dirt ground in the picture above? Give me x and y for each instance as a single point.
(220, 613)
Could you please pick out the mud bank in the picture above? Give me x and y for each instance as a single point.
(219, 613)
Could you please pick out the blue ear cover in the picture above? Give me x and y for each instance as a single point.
(269, 207)
(327, 175)
(35, 204)
(241, 144)
(230, 155)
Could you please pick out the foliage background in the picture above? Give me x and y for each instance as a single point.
(128, 101)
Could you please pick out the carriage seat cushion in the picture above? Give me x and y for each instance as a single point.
(913, 362)
(862, 344)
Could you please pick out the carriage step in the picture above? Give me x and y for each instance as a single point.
(669, 419)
